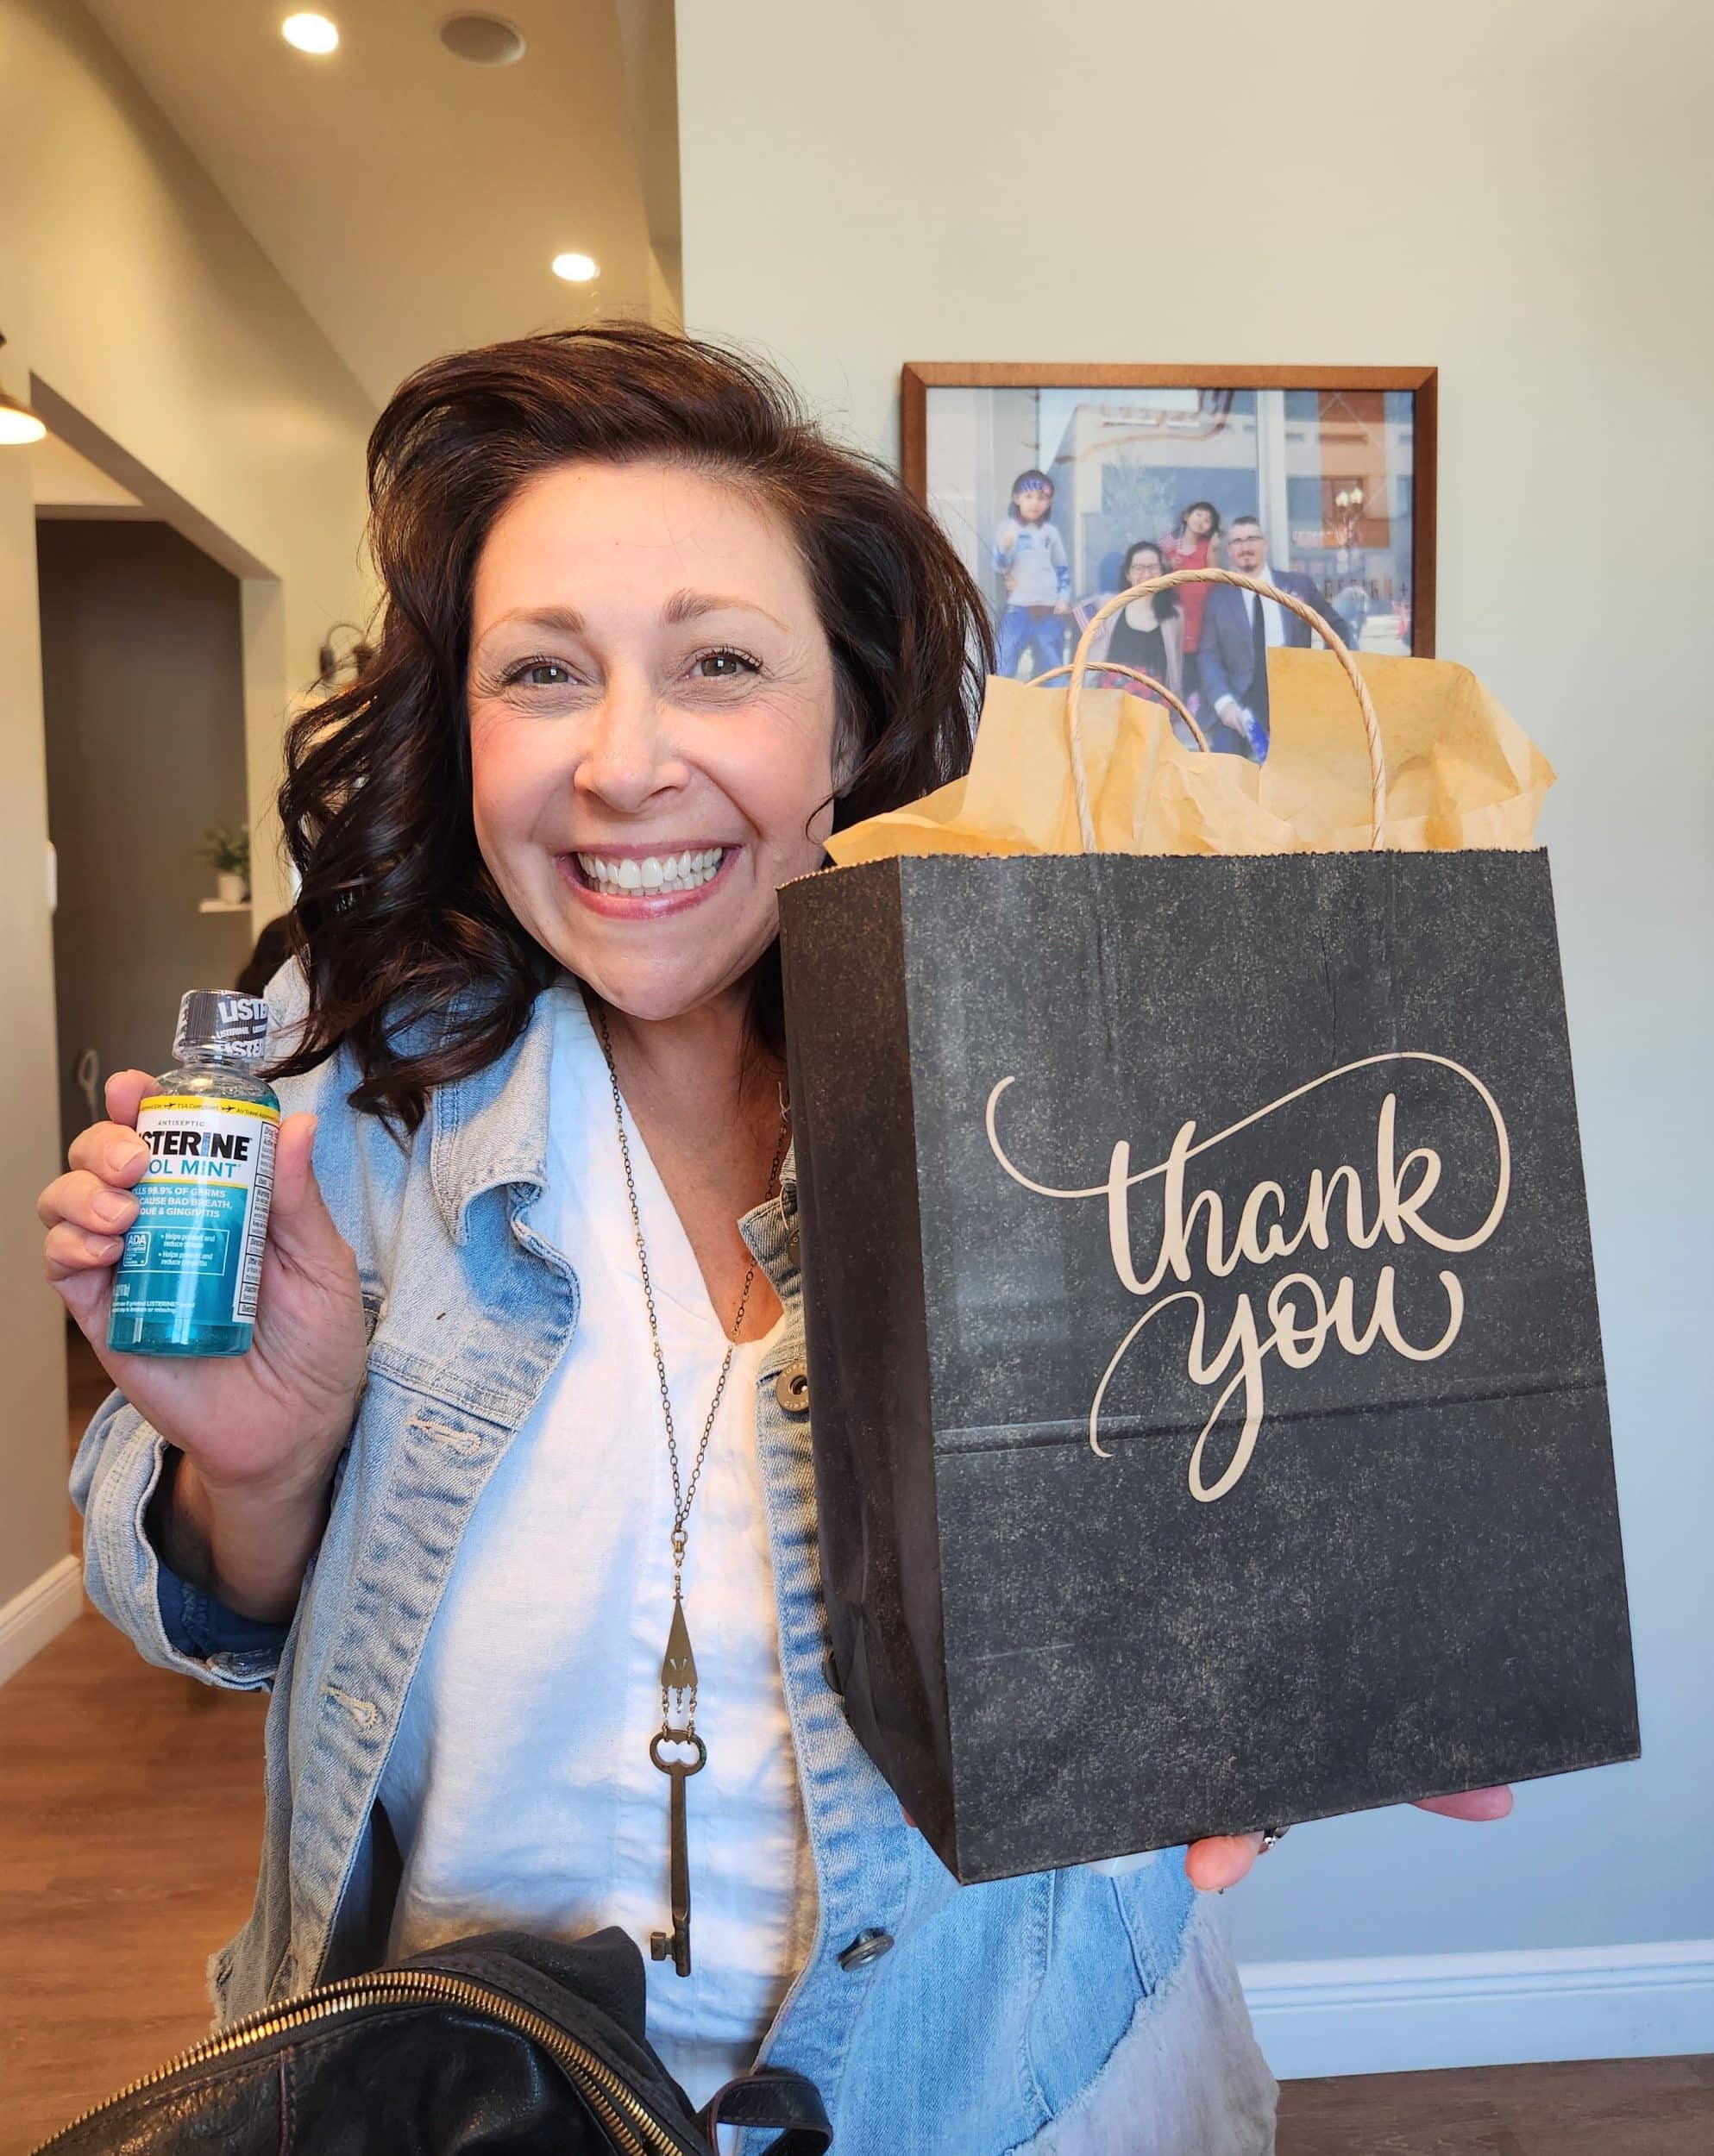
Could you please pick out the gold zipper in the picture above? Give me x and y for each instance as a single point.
(634, 2129)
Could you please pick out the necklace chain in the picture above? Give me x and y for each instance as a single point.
(684, 1493)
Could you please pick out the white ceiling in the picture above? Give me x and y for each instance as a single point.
(411, 200)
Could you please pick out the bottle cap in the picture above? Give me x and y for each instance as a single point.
(217, 1022)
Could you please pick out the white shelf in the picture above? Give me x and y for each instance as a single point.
(225, 905)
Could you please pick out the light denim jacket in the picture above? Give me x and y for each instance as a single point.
(1090, 2011)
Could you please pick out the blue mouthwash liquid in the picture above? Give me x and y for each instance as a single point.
(186, 1284)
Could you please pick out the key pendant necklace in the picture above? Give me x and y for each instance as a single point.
(675, 1747)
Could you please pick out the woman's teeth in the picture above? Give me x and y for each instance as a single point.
(654, 871)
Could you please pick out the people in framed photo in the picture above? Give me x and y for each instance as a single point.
(1060, 486)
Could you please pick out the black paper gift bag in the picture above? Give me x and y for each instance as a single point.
(1205, 1377)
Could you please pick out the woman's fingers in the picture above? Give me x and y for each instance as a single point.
(1494, 1803)
(125, 1092)
(1220, 1861)
(94, 1197)
(87, 1218)
(87, 1210)
(111, 1150)
(86, 1202)
(70, 1250)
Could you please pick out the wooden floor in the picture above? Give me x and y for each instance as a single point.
(130, 1815)
(1624, 2107)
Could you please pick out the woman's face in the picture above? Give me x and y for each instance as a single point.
(652, 721)
(1200, 523)
(1145, 563)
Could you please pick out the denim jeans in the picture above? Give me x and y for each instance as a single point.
(1041, 635)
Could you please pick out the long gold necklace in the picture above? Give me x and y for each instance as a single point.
(675, 1748)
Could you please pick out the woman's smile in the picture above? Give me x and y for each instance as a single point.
(645, 882)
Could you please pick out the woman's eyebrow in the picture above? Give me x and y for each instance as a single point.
(566, 619)
(687, 606)
(681, 607)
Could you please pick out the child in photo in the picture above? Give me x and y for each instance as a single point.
(1030, 556)
(1194, 545)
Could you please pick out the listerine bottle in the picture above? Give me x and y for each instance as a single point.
(186, 1284)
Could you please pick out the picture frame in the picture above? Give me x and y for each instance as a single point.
(1340, 460)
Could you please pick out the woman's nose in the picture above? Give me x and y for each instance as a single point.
(630, 755)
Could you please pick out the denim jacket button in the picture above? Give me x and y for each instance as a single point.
(867, 1946)
(791, 1389)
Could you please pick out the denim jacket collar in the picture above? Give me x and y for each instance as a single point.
(490, 1129)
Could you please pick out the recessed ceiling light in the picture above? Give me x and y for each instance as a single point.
(576, 269)
(488, 40)
(309, 33)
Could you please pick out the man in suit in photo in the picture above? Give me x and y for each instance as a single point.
(1239, 629)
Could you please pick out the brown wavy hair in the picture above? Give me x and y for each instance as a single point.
(412, 957)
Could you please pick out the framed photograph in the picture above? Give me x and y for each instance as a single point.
(1062, 485)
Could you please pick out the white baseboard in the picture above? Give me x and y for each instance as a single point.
(1495, 2009)
(34, 1617)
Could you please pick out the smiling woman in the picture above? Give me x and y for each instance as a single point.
(533, 1572)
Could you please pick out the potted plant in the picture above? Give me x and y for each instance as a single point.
(228, 853)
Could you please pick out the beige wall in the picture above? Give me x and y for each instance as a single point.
(33, 1420)
(1517, 193)
(169, 348)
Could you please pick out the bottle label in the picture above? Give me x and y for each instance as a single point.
(194, 1253)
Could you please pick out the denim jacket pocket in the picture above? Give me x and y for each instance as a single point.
(451, 1381)
(1090, 1989)
(1156, 1903)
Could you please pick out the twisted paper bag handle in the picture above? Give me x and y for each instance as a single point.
(1083, 665)
(1132, 674)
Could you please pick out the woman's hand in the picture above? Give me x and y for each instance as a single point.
(259, 1432)
(1224, 1859)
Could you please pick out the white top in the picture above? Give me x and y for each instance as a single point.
(519, 1785)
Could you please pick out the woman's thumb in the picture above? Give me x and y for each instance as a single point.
(299, 1224)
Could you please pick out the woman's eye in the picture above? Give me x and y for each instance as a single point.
(543, 673)
(724, 666)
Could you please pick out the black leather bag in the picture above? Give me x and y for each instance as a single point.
(503, 2046)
